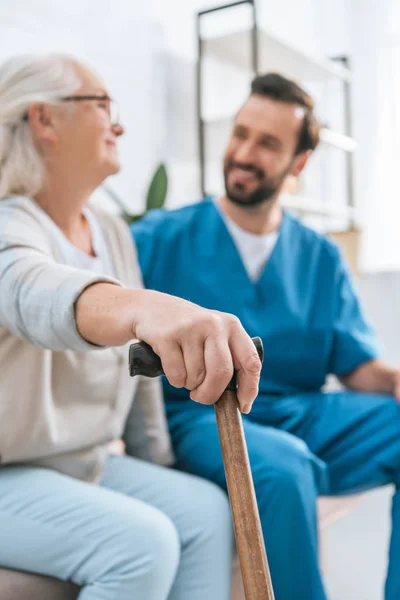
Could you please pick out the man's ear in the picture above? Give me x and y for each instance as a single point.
(41, 120)
(300, 162)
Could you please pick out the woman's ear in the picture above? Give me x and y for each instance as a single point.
(41, 119)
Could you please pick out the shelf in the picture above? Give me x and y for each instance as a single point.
(227, 54)
(308, 206)
(275, 54)
(218, 129)
(338, 140)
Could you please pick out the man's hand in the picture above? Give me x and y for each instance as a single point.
(396, 385)
(374, 377)
(198, 348)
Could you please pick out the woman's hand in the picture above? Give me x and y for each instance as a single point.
(199, 348)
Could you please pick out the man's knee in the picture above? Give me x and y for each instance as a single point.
(284, 466)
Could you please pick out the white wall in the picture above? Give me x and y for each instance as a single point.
(375, 47)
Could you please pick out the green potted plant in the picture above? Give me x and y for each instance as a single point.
(155, 196)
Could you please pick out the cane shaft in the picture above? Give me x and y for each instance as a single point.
(249, 537)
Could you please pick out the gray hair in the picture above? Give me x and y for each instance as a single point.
(25, 79)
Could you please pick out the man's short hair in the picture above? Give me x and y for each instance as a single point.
(277, 87)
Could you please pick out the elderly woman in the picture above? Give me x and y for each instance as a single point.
(70, 301)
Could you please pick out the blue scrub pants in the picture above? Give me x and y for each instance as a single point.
(144, 533)
(299, 447)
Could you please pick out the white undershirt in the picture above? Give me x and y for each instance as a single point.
(101, 263)
(254, 249)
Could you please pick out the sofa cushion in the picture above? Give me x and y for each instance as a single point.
(26, 586)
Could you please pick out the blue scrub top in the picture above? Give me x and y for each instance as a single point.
(304, 306)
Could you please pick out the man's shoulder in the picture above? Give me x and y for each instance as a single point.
(164, 237)
(312, 239)
(168, 222)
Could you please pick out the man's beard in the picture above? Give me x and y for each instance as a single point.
(267, 189)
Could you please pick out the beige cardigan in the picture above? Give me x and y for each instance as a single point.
(62, 399)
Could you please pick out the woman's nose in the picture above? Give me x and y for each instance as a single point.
(118, 129)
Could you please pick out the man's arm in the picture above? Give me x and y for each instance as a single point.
(354, 344)
(374, 376)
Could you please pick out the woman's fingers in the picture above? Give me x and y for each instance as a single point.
(173, 363)
(218, 370)
(193, 354)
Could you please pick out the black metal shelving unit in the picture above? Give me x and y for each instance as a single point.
(254, 67)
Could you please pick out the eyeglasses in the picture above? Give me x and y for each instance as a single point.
(110, 105)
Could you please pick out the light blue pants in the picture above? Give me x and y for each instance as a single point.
(299, 447)
(145, 533)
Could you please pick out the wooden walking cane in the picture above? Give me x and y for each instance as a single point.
(246, 519)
